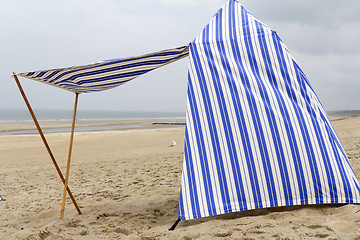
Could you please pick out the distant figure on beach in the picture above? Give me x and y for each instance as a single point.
(173, 145)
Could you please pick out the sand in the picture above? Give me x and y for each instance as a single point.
(127, 184)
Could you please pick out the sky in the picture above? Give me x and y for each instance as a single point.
(322, 35)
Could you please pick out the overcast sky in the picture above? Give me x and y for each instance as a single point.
(322, 35)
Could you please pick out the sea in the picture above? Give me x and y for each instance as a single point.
(9, 115)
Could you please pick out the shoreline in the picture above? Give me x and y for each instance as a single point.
(56, 126)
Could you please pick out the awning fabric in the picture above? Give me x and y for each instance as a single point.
(256, 133)
(107, 74)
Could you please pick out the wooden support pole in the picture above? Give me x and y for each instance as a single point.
(69, 157)
(44, 140)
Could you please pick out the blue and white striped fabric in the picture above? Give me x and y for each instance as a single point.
(107, 74)
(256, 134)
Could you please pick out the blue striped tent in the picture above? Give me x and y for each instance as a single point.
(106, 74)
(256, 134)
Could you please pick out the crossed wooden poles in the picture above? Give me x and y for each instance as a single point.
(66, 179)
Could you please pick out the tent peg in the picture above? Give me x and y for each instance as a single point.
(175, 224)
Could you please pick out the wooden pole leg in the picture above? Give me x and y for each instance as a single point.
(69, 157)
(45, 141)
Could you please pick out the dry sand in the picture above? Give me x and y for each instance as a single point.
(127, 184)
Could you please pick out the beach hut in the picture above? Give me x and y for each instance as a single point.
(256, 133)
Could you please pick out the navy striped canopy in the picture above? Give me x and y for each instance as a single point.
(107, 74)
(256, 133)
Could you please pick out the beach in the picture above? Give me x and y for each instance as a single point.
(127, 183)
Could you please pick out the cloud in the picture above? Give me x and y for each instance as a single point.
(323, 12)
(191, 3)
(316, 40)
(335, 78)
